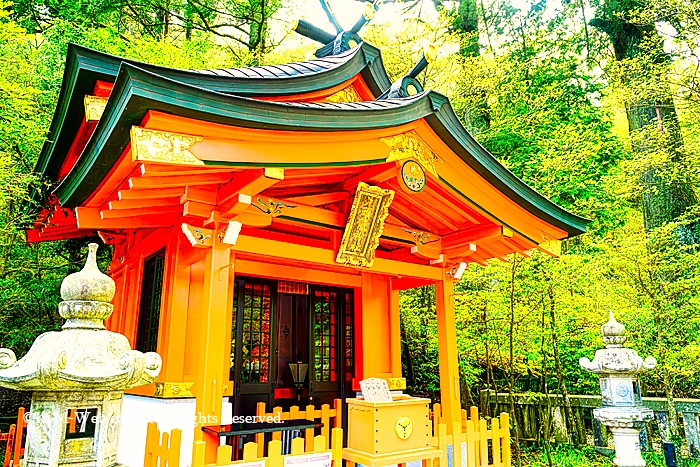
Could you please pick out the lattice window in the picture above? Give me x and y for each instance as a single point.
(149, 311)
(255, 346)
(234, 332)
(325, 361)
(349, 336)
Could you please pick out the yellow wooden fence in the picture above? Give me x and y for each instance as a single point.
(274, 451)
(14, 441)
(325, 415)
(485, 448)
(163, 450)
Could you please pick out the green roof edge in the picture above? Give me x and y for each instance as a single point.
(136, 91)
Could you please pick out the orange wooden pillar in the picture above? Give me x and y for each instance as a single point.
(395, 333)
(379, 339)
(175, 305)
(447, 350)
(213, 349)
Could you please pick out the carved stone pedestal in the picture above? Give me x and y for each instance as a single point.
(89, 439)
(625, 425)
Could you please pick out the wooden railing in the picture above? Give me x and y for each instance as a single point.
(484, 447)
(300, 446)
(325, 415)
(436, 416)
(13, 441)
(531, 416)
(163, 450)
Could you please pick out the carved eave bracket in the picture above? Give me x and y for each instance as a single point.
(410, 146)
(347, 94)
(365, 225)
(163, 147)
(94, 107)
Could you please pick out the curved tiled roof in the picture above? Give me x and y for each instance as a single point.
(266, 72)
(137, 91)
(85, 66)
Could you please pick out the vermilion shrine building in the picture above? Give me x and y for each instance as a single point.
(265, 215)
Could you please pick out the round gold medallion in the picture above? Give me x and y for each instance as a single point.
(412, 176)
(404, 427)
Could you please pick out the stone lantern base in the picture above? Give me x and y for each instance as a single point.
(625, 423)
(92, 442)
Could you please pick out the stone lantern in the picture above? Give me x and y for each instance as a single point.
(78, 376)
(618, 369)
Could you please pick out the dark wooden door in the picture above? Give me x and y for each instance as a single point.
(326, 342)
(253, 375)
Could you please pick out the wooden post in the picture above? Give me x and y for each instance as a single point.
(260, 437)
(150, 457)
(505, 424)
(447, 351)
(274, 453)
(483, 443)
(457, 443)
(325, 419)
(213, 348)
(395, 333)
(175, 303)
(309, 436)
(337, 446)
(495, 443)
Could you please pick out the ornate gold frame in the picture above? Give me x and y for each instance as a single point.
(365, 225)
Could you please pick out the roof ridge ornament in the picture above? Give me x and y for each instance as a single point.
(408, 85)
(342, 40)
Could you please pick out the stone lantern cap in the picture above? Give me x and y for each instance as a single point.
(83, 355)
(615, 358)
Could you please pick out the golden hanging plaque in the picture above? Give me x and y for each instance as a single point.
(365, 225)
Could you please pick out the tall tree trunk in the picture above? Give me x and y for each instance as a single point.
(511, 372)
(547, 416)
(666, 381)
(664, 198)
(466, 24)
(568, 413)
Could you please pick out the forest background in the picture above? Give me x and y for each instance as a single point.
(595, 103)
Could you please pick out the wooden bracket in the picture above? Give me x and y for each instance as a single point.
(459, 251)
(235, 205)
(430, 252)
(230, 233)
(476, 234)
(198, 237)
(250, 182)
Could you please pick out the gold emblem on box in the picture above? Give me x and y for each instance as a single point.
(365, 225)
(404, 427)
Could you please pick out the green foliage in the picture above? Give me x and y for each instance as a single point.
(543, 93)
